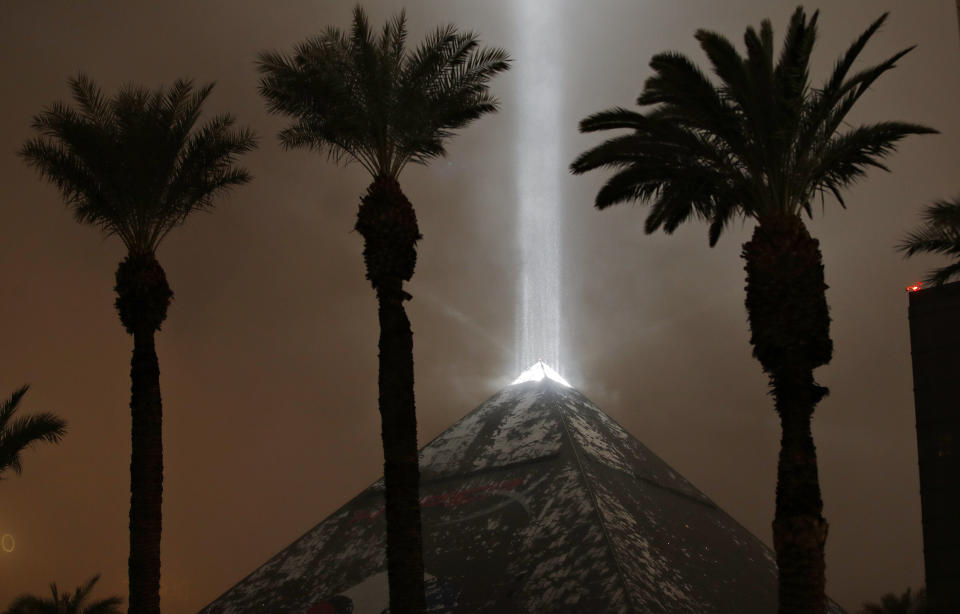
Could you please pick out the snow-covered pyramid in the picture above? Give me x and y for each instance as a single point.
(535, 502)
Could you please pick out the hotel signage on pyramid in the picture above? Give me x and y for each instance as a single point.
(535, 502)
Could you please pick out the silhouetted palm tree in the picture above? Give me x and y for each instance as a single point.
(66, 603)
(134, 165)
(761, 144)
(908, 603)
(18, 434)
(939, 235)
(362, 96)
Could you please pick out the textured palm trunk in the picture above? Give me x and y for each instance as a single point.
(790, 333)
(146, 476)
(388, 224)
(142, 300)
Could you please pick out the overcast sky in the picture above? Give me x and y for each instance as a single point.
(268, 358)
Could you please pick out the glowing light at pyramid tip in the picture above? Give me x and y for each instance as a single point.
(539, 372)
(540, 171)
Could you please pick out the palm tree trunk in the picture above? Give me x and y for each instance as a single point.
(799, 529)
(790, 333)
(142, 300)
(388, 224)
(401, 471)
(146, 476)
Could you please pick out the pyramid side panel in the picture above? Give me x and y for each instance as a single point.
(518, 538)
(512, 426)
(606, 442)
(338, 552)
(446, 453)
(525, 539)
(566, 554)
(679, 555)
(678, 552)
(543, 550)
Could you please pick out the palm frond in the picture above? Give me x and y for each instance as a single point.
(944, 274)
(677, 203)
(759, 62)
(205, 166)
(124, 163)
(611, 119)
(110, 605)
(944, 214)
(368, 99)
(90, 98)
(846, 157)
(838, 85)
(29, 604)
(907, 603)
(9, 406)
(792, 72)
(940, 234)
(830, 105)
(851, 91)
(723, 212)
(727, 63)
(629, 184)
(753, 139)
(931, 240)
(845, 63)
(18, 434)
(427, 61)
(65, 603)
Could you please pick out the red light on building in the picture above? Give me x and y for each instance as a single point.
(915, 287)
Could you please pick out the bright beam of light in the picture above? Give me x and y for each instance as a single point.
(540, 171)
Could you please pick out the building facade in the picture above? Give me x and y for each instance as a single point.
(935, 347)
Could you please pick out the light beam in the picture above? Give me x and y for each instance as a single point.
(540, 171)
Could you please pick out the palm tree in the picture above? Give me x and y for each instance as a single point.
(940, 234)
(908, 603)
(134, 166)
(361, 96)
(66, 603)
(16, 435)
(760, 144)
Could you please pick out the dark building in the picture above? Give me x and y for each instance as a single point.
(535, 502)
(935, 345)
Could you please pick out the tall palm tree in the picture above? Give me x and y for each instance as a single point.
(762, 144)
(135, 166)
(361, 96)
(65, 603)
(940, 234)
(16, 435)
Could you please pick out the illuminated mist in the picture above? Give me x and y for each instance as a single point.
(540, 171)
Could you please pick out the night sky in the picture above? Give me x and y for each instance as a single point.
(268, 357)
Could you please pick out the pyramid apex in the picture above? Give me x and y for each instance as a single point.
(539, 371)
